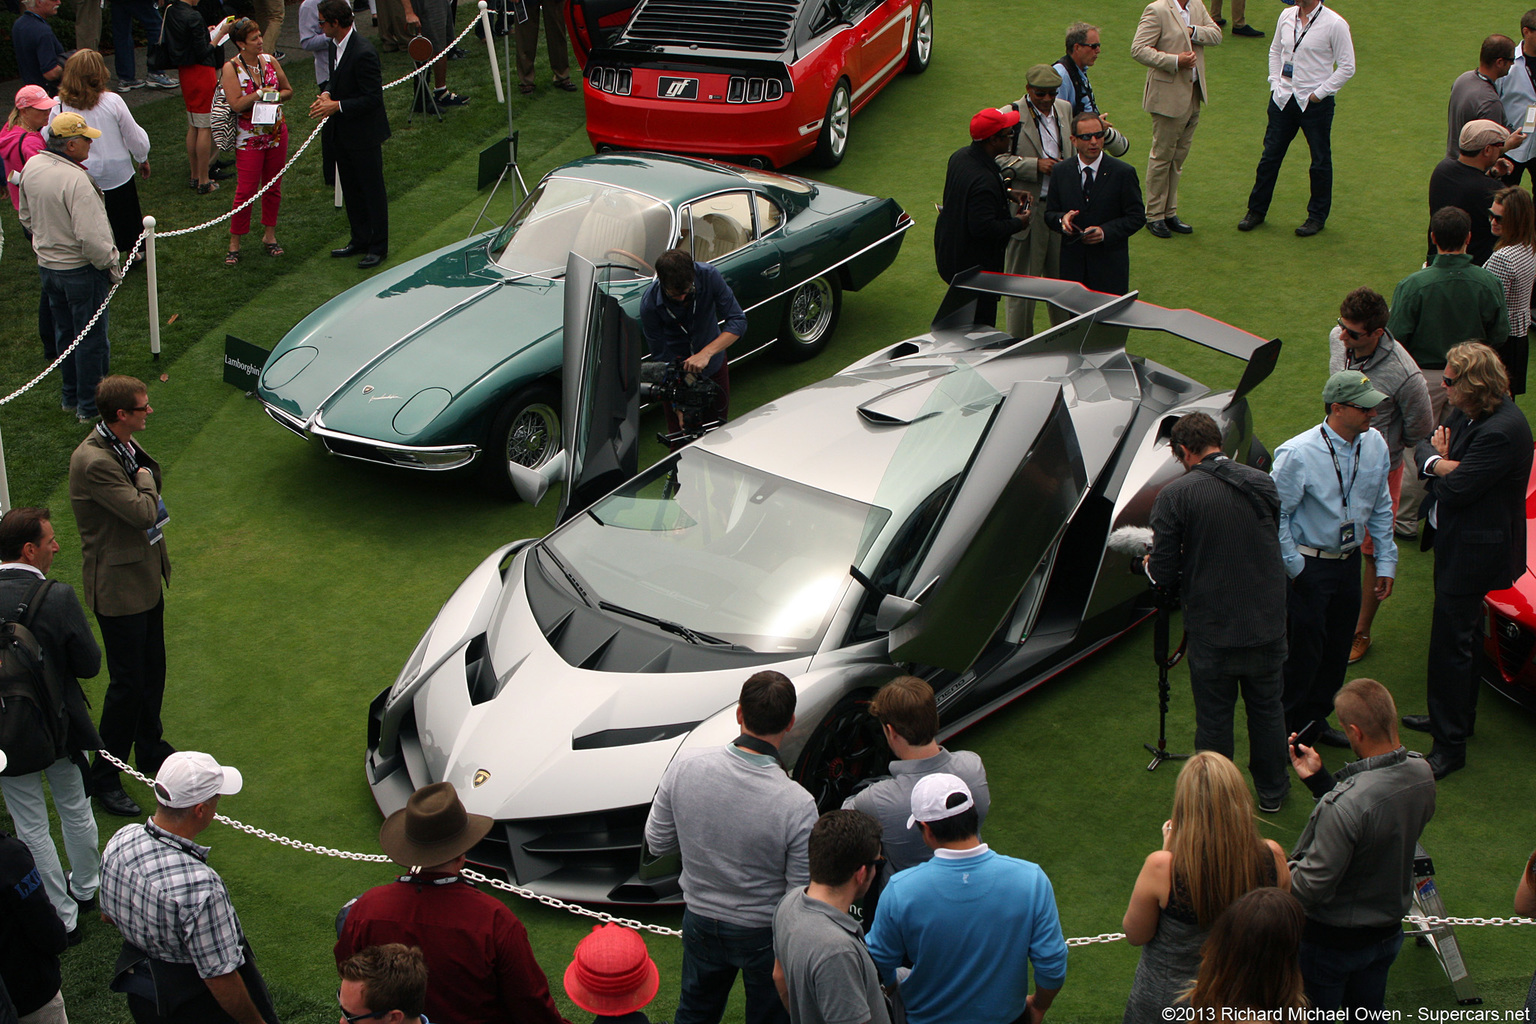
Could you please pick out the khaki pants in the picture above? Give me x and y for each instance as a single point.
(269, 15)
(527, 34)
(88, 24)
(1238, 7)
(1413, 486)
(1171, 137)
(51, 1012)
(1037, 254)
(393, 31)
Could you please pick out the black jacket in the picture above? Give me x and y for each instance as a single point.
(1115, 206)
(974, 226)
(357, 83)
(1479, 535)
(31, 934)
(69, 650)
(186, 37)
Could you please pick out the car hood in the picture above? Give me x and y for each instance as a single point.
(553, 740)
(383, 358)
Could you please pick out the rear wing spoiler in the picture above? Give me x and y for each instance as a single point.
(1126, 311)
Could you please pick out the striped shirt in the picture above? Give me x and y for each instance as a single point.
(1515, 267)
(160, 892)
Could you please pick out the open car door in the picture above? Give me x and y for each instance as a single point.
(1015, 497)
(600, 399)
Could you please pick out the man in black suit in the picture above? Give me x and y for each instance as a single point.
(353, 99)
(1478, 467)
(1095, 202)
(974, 225)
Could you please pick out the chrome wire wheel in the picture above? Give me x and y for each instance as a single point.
(533, 436)
(810, 311)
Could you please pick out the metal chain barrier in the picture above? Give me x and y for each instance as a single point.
(598, 915)
(138, 245)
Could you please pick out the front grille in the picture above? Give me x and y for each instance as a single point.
(750, 26)
(1515, 643)
(592, 857)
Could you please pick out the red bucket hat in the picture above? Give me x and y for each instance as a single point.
(612, 973)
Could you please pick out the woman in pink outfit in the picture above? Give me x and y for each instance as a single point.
(256, 87)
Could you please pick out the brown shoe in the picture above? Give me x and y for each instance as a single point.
(1362, 643)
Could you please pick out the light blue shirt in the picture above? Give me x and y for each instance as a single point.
(1516, 92)
(1067, 91)
(1312, 505)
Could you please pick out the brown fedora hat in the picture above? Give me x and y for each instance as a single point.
(432, 828)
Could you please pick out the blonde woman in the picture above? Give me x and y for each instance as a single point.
(254, 84)
(1212, 854)
(1513, 221)
(1252, 959)
(122, 149)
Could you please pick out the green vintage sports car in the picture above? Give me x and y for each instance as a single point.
(455, 357)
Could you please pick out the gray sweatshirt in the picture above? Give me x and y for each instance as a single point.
(742, 827)
(62, 207)
(1405, 418)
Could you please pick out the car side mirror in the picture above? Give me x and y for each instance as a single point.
(532, 484)
(894, 611)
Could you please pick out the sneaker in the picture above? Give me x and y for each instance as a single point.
(457, 53)
(158, 81)
(81, 417)
(1357, 649)
(1271, 804)
(279, 56)
(444, 98)
(127, 84)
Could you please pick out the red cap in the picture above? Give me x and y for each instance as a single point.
(612, 974)
(989, 121)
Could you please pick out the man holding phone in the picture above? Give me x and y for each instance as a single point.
(1042, 141)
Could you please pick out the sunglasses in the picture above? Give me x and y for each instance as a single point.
(1497, 218)
(1089, 135)
(1352, 405)
(1351, 335)
(353, 1018)
(1449, 382)
(1091, 46)
(1042, 92)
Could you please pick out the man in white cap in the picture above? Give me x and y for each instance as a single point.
(185, 957)
(970, 921)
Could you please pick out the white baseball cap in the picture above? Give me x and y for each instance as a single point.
(930, 798)
(3, 760)
(190, 777)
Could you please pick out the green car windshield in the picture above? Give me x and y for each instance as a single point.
(720, 548)
(604, 223)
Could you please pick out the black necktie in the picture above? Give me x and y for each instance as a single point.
(331, 49)
(1087, 183)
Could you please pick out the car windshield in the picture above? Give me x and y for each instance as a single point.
(729, 552)
(604, 223)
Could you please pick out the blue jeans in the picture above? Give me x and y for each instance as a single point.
(1217, 675)
(1316, 125)
(73, 298)
(1348, 977)
(713, 951)
(123, 14)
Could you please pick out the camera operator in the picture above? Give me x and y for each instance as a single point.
(690, 314)
(1216, 542)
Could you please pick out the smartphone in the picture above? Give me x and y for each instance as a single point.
(1307, 735)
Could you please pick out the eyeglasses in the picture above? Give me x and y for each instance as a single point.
(1042, 92)
(139, 408)
(1352, 335)
(1089, 135)
(353, 1018)
(1352, 405)
(1449, 382)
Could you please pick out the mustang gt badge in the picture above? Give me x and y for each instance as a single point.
(677, 88)
(481, 776)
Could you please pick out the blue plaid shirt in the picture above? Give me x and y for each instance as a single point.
(160, 892)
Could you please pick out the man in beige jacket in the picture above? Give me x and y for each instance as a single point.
(1043, 140)
(1171, 42)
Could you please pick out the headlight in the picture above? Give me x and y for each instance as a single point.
(408, 675)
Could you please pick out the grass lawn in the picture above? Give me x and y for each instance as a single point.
(302, 582)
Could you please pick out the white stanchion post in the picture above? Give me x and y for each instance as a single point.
(5, 485)
(339, 203)
(151, 272)
(490, 48)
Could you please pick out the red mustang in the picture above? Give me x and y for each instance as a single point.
(1509, 632)
(762, 82)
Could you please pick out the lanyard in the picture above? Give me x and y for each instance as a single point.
(1339, 472)
(1043, 132)
(1295, 38)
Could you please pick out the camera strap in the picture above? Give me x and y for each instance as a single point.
(1223, 469)
(747, 741)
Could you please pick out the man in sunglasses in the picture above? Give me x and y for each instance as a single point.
(1040, 143)
(1362, 342)
(1095, 205)
(1332, 480)
(1082, 53)
(1478, 468)
(821, 968)
(1171, 42)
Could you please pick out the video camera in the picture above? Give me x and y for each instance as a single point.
(692, 396)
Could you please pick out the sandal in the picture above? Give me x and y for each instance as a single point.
(273, 249)
(192, 184)
(205, 187)
(232, 258)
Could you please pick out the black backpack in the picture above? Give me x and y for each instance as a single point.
(32, 716)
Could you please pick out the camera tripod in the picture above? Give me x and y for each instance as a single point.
(1160, 629)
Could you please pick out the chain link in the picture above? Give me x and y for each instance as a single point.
(138, 245)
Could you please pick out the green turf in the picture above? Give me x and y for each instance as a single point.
(302, 582)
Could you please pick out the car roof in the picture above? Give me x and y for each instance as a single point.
(656, 174)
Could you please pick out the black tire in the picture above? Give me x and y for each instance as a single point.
(810, 316)
(832, 143)
(526, 430)
(846, 748)
(920, 51)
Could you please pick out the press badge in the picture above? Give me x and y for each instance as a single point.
(1347, 535)
(1287, 71)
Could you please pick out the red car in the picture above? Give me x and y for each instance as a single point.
(762, 82)
(1509, 632)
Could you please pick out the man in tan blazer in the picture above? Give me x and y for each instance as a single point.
(1171, 42)
(1044, 137)
(114, 488)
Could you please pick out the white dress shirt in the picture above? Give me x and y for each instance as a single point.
(1321, 65)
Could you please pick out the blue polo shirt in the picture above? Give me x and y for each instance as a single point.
(676, 330)
(37, 50)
